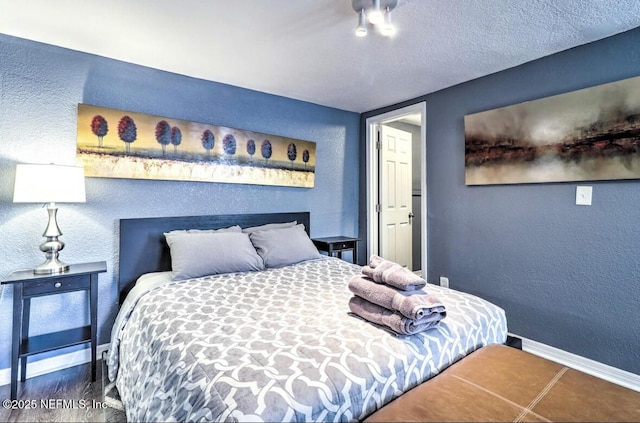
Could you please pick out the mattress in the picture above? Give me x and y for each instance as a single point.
(278, 345)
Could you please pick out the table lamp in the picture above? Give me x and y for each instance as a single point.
(49, 184)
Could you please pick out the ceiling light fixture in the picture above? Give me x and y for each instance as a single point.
(361, 30)
(388, 29)
(372, 10)
(375, 16)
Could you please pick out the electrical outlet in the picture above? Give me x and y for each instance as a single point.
(444, 282)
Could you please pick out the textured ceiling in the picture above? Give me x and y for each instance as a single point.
(306, 49)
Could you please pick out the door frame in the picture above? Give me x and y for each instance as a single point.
(373, 171)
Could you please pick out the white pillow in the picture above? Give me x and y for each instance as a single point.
(209, 253)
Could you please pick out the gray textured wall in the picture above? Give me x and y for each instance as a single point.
(41, 86)
(567, 275)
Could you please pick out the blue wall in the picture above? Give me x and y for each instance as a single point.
(567, 275)
(40, 87)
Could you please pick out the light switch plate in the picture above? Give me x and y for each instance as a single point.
(583, 195)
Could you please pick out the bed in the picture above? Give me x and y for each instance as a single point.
(277, 344)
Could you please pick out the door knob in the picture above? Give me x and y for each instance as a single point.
(411, 215)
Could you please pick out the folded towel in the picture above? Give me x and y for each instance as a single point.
(375, 260)
(385, 271)
(391, 319)
(412, 304)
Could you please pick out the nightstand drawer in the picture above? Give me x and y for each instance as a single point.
(51, 286)
(343, 245)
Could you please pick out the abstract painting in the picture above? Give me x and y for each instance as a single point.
(120, 144)
(589, 134)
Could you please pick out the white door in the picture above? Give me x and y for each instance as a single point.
(395, 196)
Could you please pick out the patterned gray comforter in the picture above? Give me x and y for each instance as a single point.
(279, 345)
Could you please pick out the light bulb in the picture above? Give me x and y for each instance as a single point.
(388, 29)
(375, 16)
(361, 29)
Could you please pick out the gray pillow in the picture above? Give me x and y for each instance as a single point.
(269, 226)
(209, 253)
(234, 228)
(281, 247)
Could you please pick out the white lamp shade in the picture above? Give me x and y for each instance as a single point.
(37, 183)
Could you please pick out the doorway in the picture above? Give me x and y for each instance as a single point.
(409, 119)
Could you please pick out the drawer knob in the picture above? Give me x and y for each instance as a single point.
(58, 285)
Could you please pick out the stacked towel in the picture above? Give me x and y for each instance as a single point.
(411, 304)
(390, 273)
(393, 320)
(390, 295)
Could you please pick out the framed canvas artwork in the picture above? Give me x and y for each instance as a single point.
(589, 134)
(121, 144)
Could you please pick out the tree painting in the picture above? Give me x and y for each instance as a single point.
(208, 141)
(127, 132)
(229, 144)
(167, 148)
(266, 150)
(163, 135)
(99, 127)
(305, 157)
(292, 153)
(251, 149)
(176, 138)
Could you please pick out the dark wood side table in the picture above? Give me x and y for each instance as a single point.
(337, 244)
(26, 285)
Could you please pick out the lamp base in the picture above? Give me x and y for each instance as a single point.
(51, 246)
(51, 266)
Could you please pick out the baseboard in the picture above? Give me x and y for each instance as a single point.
(53, 364)
(586, 365)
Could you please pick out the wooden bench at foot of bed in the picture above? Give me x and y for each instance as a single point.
(499, 383)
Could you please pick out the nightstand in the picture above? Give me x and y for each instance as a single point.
(337, 244)
(26, 285)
